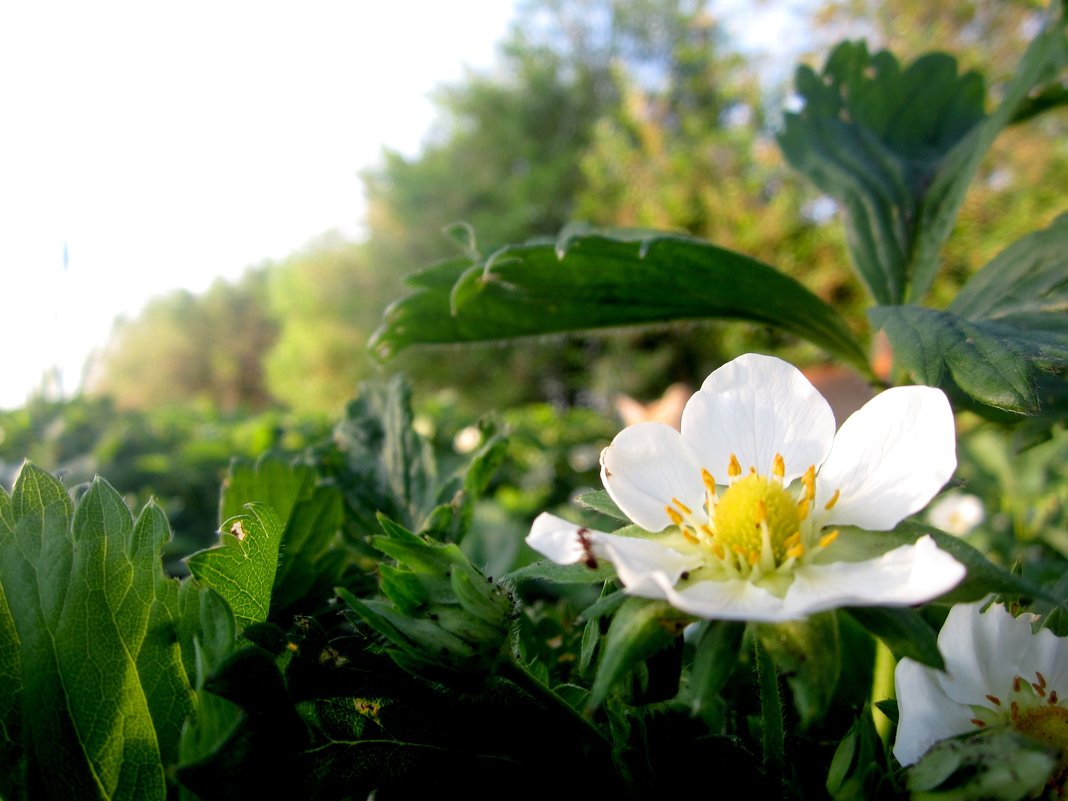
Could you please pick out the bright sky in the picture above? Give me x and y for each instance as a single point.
(166, 144)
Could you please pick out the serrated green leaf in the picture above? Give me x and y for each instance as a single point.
(599, 280)
(897, 148)
(1003, 338)
(380, 463)
(312, 559)
(92, 644)
(242, 567)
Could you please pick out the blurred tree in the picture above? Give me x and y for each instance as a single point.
(186, 348)
(326, 300)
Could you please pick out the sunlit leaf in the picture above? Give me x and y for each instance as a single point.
(242, 567)
(96, 688)
(604, 280)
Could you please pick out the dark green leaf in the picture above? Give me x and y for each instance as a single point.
(638, 630)
(547, 570)
(897, 148)
(808, 654)
(718, 645)
(1004, 337)
(598, 281)
(903, 631)
(601, 501)
(856, 762)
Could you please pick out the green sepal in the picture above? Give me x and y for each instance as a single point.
(639, 629)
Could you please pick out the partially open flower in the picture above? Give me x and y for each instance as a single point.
(999, 672)
(751, 491)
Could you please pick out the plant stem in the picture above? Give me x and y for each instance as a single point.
(772, 736)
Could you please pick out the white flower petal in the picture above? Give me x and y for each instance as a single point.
(646, 466)
(983, 651)
(909, 574)
(889, 459)
(635, 559)
(732, 599)
(926, 714)
(755, 407)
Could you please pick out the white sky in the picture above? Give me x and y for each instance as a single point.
(168, 144)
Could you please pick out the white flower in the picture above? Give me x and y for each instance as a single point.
(998, 671)
(748, 492)
(956, 512)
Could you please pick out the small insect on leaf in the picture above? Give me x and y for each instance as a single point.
(238, 531)
(586, 542)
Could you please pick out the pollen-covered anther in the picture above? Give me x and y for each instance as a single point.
(709, 482)
(994, 700)
(828, 538)
(978, 723)
(834, 499)
(686, 510)
(672, 513)
(778, 467)
(734, 469)
(1052, 699)
(1041, 680)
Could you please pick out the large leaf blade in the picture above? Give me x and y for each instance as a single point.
(99, 689)
(1004, 339)
(597, 281)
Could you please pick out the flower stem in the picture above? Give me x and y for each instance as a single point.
(882, 687)
(772, 736)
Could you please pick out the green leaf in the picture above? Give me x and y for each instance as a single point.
(903, 631)
(311, 515)
(242, 567)
(995, 764)
(380, 463)
(808, 654)
(547, 570)
(857, 762)
(718, 646)
(602, 280)
(96, 688)
(601, 501)
(1004, 334)
(897, 148)
(638, 630)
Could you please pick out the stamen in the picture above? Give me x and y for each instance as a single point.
(778, 467)
(690, 536)
(1014, 711)
(809, 482)
(718, 552)
(1041, 680)
(762, 512)
(1052, 697)
(686, 510)
(734, 469)
(828, 538)
(796, 551)
(676, 518)
(792, 540)
(709, 482)
(994, 699)
(754, 558)
(979, 723)
(1039, 689)
(834, 499)
(1016, 682)
(803, 508)
(707, 530)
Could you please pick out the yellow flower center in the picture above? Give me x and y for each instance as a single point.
(756, 512)
(758, 526)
